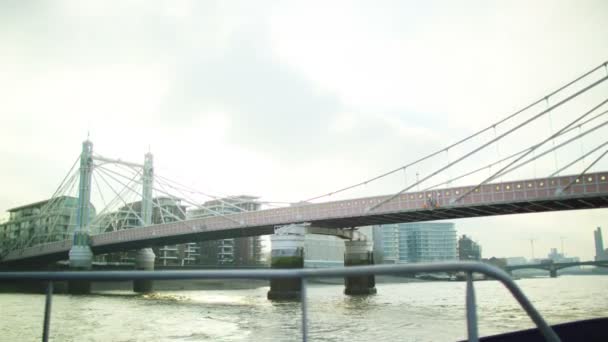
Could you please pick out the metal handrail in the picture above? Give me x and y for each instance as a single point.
(468, 267)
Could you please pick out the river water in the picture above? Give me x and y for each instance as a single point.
(418, 311)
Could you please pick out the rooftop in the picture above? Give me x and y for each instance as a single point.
(35, 204)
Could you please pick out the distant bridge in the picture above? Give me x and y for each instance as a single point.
(553, 267)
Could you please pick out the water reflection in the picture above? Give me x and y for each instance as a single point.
(406, 311)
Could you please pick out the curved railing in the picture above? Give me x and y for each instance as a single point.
(468, 267)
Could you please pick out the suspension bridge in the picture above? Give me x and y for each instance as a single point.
(559, 139)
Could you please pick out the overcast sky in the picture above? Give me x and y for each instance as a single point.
(287, 100)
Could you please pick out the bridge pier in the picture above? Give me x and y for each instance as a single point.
(144, 261)
(553, 273)
(287, 252)
(81, 258)
(359, 253)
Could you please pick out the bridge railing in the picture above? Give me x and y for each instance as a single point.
(303, 274)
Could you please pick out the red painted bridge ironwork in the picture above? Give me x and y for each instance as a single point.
(587, 191)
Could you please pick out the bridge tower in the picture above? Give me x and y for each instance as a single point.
(81, 256)
(144, 259)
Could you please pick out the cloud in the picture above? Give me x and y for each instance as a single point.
(449, 61)
(283, 101)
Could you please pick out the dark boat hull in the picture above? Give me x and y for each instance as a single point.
(589, 330)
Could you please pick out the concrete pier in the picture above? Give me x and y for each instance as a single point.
(144, 260)
(359, 253)
(287, 252)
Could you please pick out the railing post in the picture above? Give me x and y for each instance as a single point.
(471, 308)
(47, 312)
(304, 305)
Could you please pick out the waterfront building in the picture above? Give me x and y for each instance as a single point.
(431, 241)
(468, 249)
(600, 252)
(418, 242)
(327, 250)
(514, 261)
(237, 251)
(323, 251)
(39, 222)
(557, 257)
(498, 262)
(390, 236)
(164, 210)
(378, 243)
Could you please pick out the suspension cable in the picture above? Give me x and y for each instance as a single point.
(558, 104)
(579, 158)
(552, 149)
(551, 94)
(66, 176)
(102, 171)
(185, 200)
(580, 135)
(533, 149)
(108, 206)
(198, 205)
(584, 171)
(48, 209)
(552, 140)
(122, 193)
(174, 199)
(214, 212)
(194, 191)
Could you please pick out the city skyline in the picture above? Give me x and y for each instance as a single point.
(305, 106)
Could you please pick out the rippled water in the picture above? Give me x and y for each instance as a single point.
(430, 311)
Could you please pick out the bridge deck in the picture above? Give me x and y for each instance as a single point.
(524, 196)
